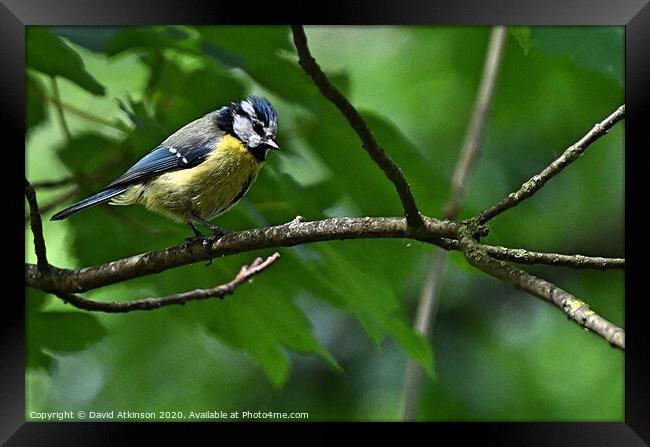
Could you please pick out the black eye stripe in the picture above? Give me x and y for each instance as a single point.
(258, 127)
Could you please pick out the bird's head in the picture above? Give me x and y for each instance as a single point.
(253, 121)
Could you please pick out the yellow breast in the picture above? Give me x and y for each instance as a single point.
(207, 190)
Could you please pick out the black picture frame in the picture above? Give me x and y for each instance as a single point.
(634, 14)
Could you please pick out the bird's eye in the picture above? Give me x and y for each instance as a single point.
(257, 127)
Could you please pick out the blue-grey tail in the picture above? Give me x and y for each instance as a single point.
(100, 197)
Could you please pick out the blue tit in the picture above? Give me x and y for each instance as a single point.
(200, 171)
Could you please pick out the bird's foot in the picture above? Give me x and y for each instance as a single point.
(217, 231)
(217, 234)
(195, 239)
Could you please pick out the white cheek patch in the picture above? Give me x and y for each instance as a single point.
(243, 127)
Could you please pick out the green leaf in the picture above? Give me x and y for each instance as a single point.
(93, 41)
(418, 164)
(96, 159)
(264, 321)
(371, 298)
(54, 332)
(193, 94)
(153, 39)
(248, 43)
(35, 300)
(596, 48)
(522, 35)
(35, 110)
(86, 152)
(263, 55)
(50, 55)
(177, 94)
(261, 318)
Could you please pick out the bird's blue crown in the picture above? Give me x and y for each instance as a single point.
(255, 107)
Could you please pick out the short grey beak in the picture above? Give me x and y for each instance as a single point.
(272, 144)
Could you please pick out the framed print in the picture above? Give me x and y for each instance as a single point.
(414, 215)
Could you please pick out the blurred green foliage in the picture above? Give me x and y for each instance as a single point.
(327, 329)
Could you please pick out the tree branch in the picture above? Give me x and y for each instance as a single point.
(37, 228)
(521, 256)
(430, 297)
(574, 308)
(293, 233)
(536, 182)
(246, 273)
(369, 143)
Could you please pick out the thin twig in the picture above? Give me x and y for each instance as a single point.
(369, 143)
(59, 109)
(53, 183)
(471, 145)
(58, 200)
(79, 112)
(521, 256)
(37, 228)
(245, 274)
(286, 235)
(83, 114)
(430, 297)
(574, 308)
(537, 181)
(424, 321)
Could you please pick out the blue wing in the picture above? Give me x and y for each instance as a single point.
(164, 158)
(184, 149)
